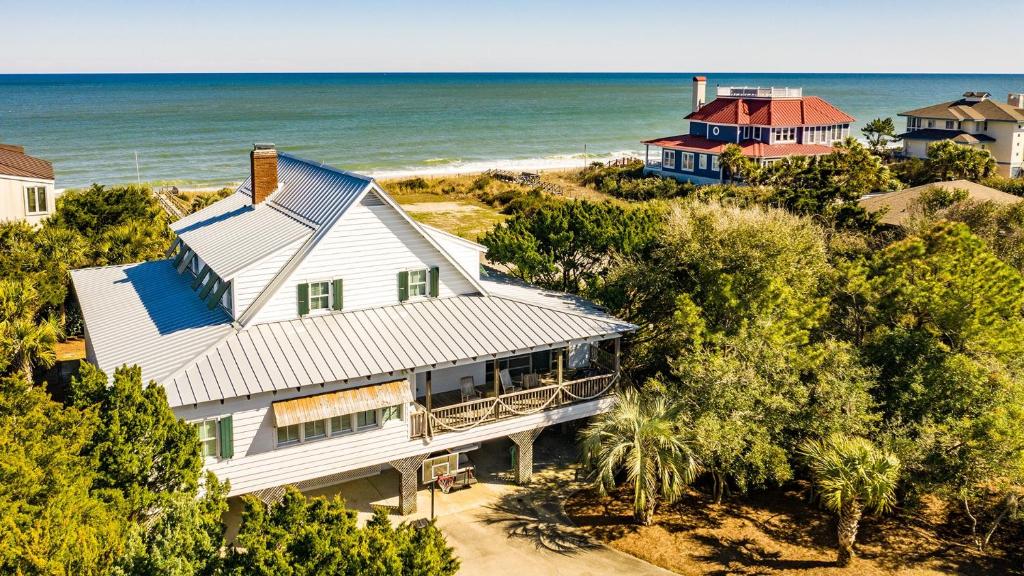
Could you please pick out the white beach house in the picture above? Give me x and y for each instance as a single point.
(315, 333)
(26, 186)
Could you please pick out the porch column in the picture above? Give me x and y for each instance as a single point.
(497, 378)
(524, 454)
(430, 393)
(618, 350)
(647, 155)
(560, 352)
(409, 469)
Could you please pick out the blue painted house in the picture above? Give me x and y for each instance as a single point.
(766, 123)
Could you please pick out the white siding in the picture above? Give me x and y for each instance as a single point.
(252, 280)
(466, 255)
(13, 205)
(257, 465)
(366, 248)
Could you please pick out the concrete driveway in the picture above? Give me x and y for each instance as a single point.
(520, 536)
(496, 527)
(521, 531)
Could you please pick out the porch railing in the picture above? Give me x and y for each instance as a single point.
(468, 415)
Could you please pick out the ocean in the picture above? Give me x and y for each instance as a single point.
(196, 129)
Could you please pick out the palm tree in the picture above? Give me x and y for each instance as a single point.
(852, 475)
(640, 436)
(32, 344)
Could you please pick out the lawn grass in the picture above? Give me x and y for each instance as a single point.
(778, 532)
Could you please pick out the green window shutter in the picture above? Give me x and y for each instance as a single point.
(227, 437)
(199, 277)
(338, 294)
(303, 299)
(403, 286)
(435, 277)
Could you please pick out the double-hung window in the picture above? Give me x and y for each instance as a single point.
(35, 199)
(784, 134)
(341, 425)
(208, 438)
(391, 413)
(714, 163)
(288, 435)
(418, 282)
(703, 162)
(668, 159)
(314, 430)
(367, 419)
(319, 296)
(687, 161)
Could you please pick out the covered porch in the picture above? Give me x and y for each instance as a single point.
(513, 386)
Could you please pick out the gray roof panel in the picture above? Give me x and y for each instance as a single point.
(146, 313)
(365, 343)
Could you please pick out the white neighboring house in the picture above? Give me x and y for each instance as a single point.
(26, 186)
(976, 120)
(315, 333)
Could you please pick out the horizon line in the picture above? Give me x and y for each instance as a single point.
(485, 72)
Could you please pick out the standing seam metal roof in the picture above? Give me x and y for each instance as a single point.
(232, 234)
(361, 343)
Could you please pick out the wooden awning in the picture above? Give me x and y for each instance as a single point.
(331, 404)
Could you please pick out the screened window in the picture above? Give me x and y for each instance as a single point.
(208, 438)
(287, 435)
(366, 419)
(391, 413)
(314, 430)
(418, 282)
(35, 199)
(319, 296)
(687, 161)
(341, 425)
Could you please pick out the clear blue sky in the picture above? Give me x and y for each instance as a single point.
(526, 35)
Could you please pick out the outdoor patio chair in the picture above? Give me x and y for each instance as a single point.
(531, 381)
(468, 389)
(506, 382)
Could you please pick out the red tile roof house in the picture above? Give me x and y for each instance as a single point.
(766, 123)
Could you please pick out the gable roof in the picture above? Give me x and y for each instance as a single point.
(232, 234)
(901, 203)
(14, 162)
(807, 110)
(964, 109)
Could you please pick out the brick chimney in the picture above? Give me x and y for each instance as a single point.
(263, 165)
(700, 84)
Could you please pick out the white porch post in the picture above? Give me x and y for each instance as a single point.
(430, 393)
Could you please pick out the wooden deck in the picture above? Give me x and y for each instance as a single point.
(449, 413)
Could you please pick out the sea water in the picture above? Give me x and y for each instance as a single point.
(198, 128)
